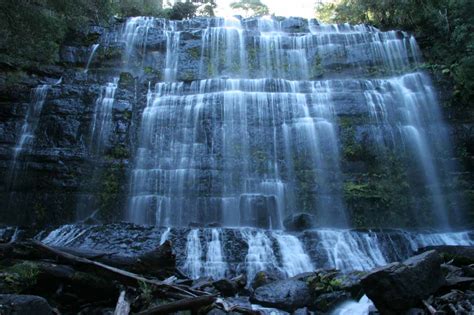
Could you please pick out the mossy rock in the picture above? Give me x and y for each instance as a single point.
(126, 79)
(19, 278)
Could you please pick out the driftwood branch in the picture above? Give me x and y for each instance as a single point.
(123, 306)
(430, 308)
(181, 305)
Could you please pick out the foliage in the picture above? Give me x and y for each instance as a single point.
(31, 32)
(19, 277)
(182, 10)
(139, 8)
(444, 28)
(324, 282)
(251, 7)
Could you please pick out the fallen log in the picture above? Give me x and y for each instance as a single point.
(429, 307)
(123, 276)
(160, 262)
(181, 305)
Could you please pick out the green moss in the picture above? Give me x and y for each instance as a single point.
(119, 152)
(382, 197)
(188, 76)
(324, 282)
(127, 115)
(260, 160)
(109, 53)
(194, 52)
(317, 70)
(111, 191)
(19, 277)
(146, 292)
(352, 149)
(14, 78)
(126, 78)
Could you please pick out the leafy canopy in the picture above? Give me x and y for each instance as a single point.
(250, 7)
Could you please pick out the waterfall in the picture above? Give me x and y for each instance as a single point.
(213, 252)
(215, 265)
(28, 129)
(91, 56)
(102, 121)
(346, 250)
(404, 106)
(134, 35)
(260, 255)
(294, 258)
(172, 46)
(245, 124)
(193, 264)
(253, 135)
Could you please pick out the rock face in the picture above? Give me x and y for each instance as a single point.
(288, 295)
(397, 287)
(299, 222)
(62, 177)
(24, 305)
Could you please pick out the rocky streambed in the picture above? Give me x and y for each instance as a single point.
(42, 279)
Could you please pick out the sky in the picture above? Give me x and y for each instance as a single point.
(303, 8)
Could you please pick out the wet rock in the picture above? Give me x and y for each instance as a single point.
(73, 55)
(258, 210)
(299, 222)
(302, 311)
(415, 311)
(264, 277)
(460, 255)
(226, 287)
(397, 287)
(24, 305)
(295, 25)
(288, 295)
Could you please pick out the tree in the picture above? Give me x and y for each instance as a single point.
(205, 7)
(251, 7)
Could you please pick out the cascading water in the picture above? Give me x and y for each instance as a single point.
(134, 35)
(252, 135)
(27, 133)
(294, 258)
(102, 121)
(91, 56)
(214, 264)
(193, 263)
(260, 254)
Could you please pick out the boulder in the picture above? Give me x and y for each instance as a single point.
(397, 287)
(226, 287)
(288, 295)
(24, 305)
(264, 277)
(299, 222)
(461, 255)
